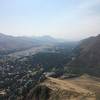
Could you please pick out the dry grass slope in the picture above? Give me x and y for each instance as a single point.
(68, 90)
(84, 87)
(88, 82)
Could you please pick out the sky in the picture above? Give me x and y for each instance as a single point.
(67, 19)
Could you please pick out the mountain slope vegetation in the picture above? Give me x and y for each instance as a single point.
(86, 57)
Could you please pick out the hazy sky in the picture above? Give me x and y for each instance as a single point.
(70, 19)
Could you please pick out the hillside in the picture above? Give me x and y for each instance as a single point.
(12, 43)
(89, 51)
(80, 88)
(87, 56)
(88, 82)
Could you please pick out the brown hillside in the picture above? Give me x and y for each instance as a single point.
(57, 89)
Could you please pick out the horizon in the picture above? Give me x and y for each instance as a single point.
(70, 20)
(48, 36)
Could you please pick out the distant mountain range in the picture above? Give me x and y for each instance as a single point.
(8, 42)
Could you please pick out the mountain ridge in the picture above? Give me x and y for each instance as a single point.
(11, 43)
